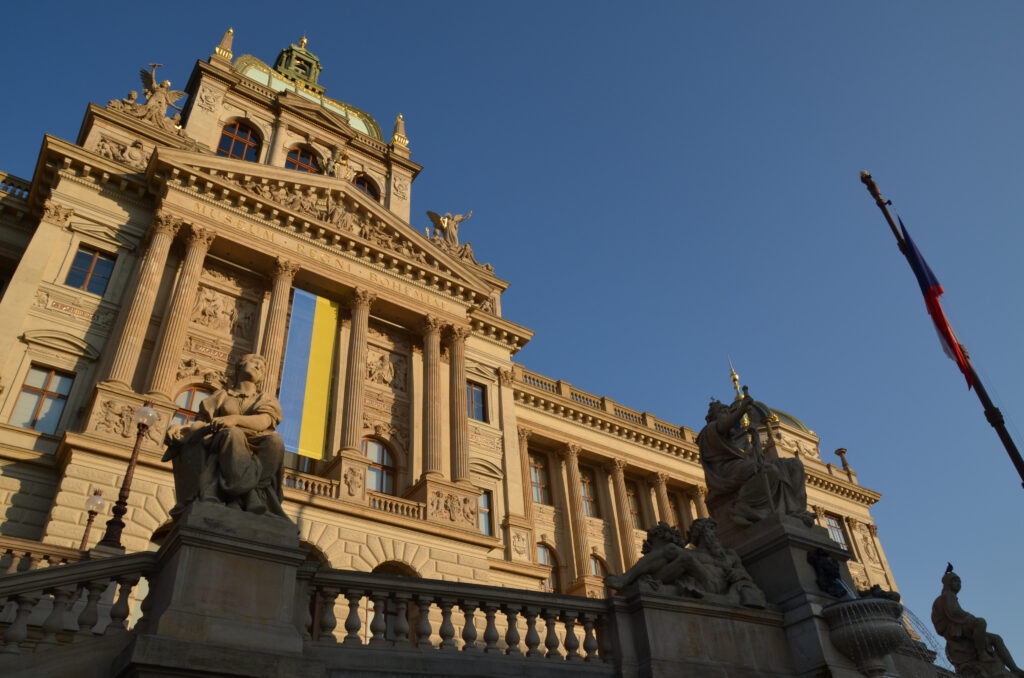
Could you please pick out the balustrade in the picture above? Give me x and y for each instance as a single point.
(13, 185)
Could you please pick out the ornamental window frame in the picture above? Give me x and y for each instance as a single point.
(313, 164)
(254, 142)
(477, 409)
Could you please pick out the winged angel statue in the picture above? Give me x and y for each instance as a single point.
(159, 96)
(448, 226)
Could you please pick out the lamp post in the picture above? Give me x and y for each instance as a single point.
(145, 417)
(94, 504)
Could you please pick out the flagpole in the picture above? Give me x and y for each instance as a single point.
(992, 413)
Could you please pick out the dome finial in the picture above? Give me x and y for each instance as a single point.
(303, 41)
(224, 48)
(735, 378)
(399, 138)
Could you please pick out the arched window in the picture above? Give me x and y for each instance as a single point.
(188, 404)
(367, 186)
(546, 557)
(380, 477)
(239, 140)
(303, 159)
(597, 567)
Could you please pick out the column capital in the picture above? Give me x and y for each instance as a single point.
(458, 333)
(201, 236)
(285, 268)
(873, 529)
(702, 491)
(570, 452)
(616, 467)
(362, 298)
(661, 479)
(820, 511)
(524, 434)
(432, 325)
(57, 213)
(165, 223)
(507, 377)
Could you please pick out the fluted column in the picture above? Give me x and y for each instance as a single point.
(524, 460)
(570, 454)
(433, 445)
(626, 543)
(458, 407)
(355, 372)
(661, 490)
(277, 322)
(699, 499)
(129, 346)
(168, 352)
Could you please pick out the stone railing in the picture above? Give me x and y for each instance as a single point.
(22, 555)
(13, 185)
(71, 603)
(310, 484)
(419, 613)
(397, 506)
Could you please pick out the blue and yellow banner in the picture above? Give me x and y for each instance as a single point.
(306, 378)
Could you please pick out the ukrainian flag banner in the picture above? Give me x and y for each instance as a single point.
(306, 377)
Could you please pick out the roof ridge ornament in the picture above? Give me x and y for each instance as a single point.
(223, 50)
(399, 138)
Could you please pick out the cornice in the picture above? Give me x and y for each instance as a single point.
(841, 488)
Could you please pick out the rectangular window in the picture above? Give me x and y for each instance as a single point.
(633, 500)
(588, 488)
(476, 398)
(90, 270)
(42, 399)
(539, 479)
(484, 513)
(834, 525)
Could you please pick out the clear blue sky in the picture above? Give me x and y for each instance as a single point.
(667, 183)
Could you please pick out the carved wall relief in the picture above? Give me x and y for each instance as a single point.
(388, 369)
(453, 508)
(222, 314)
(133, 154)
(867, 545)
(117, 418)
(207, 99)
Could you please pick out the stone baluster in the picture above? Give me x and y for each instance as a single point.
(551, 635)
(328, 620)
(379, 624)
(178, 316)
(524, 461)
(532, 637)
(355, 374)
(468, 608)
(423, 628)
(458, 405)
(90, 613)
(661, 491)
(401, 623)
(447, 630)
(699, 499)
(490, 630)
(512, 632)
(120, 610)
(572, 643)
(54, 623)
(627, 543)
(581, 549)
(352, 623)
(129, 346)
(18, 630)
(272, 348)
(433, 445)
(589, 639)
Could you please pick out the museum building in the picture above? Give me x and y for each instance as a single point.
(142, 261)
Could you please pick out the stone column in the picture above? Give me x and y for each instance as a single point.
(661, 490)
(176, 321)
(698, 500)
(433, 446)
(458, 407)
(277, 151)
(524, 460)
(126, 358)
(277, 321)
(355, 371)
(626, 543)
(577, 521)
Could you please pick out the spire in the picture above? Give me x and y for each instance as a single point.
(735, 378)
(224, 48)
(399, 138)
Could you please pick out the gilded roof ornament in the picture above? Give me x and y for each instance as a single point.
(224, 48)
(399, 138)
(735, 378)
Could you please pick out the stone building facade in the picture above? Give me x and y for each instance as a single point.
(142, 260)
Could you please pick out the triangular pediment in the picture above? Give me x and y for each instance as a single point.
(106, 234)
(339, 209)
(317, 113)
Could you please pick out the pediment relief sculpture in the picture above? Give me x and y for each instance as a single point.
(133, 155)
(159, 96)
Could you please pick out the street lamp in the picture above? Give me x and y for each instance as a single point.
(94, 504)
(145, 417)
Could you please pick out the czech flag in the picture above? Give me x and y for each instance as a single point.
(932, 290)
(306, 376)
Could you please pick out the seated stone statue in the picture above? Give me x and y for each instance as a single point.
(753, 487)
(704, 569)
(231, 453)
(970, 648)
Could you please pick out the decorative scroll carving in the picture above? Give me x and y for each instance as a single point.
(354, 478)
(57, 214)
(867, 544)
(507, 377)
(207, 99)
(132, 154)
(519, 543)
(400, 188)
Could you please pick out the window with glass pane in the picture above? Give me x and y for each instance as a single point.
(597, 567)
(588, 488)
(633, 500)
(539, 479)
(188, 404)
(42, 399)
(302, 159)
(545, 557)
(90, 270)
(380, 477)
(366, 185)
(476, 398)
(238, 140)
(484, 513)
(834, 525)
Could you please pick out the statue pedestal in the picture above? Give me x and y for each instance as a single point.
(227, 578)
